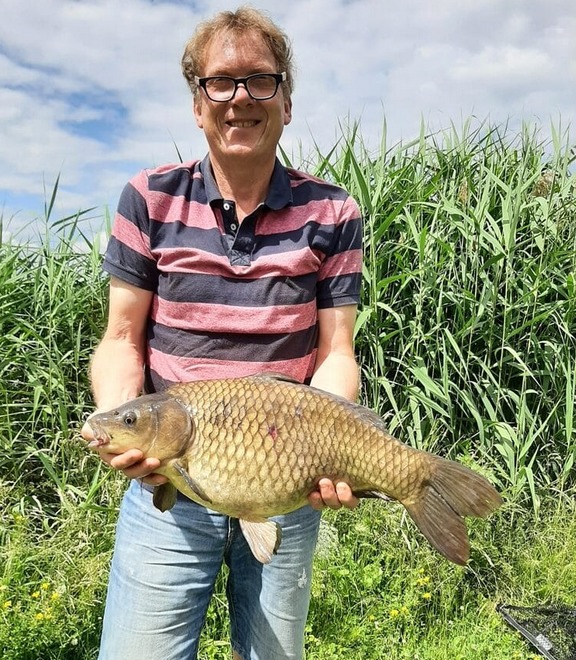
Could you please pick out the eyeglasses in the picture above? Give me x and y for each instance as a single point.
(260, 86)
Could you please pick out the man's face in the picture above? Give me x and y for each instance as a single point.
(241, 127)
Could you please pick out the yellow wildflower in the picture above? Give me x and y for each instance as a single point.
(55, 596)
(39, 616)
(427, 595)
(394, 613)
(36, 594)
(7, 604)
(404, 609)
(45, 586)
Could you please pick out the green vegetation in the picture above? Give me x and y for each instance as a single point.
(466, 337)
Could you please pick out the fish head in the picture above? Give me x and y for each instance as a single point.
(157, 424)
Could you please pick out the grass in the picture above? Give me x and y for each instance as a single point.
(466, 341)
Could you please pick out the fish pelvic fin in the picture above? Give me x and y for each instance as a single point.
(263, 537)
(164, 497)
(452, 492)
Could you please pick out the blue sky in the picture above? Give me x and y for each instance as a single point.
(91, 90)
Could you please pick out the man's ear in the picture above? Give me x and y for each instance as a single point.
(197, 108)
(287, 111)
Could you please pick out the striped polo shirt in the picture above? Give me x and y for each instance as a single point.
(233, 299)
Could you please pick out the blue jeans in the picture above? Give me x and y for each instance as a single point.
(163, 574)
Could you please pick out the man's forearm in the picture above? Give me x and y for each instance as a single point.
(338, 374)
(116, 373)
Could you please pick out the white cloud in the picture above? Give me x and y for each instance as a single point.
(92, 89)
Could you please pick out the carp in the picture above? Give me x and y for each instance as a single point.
(255, 447)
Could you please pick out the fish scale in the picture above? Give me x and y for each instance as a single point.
(257, 447)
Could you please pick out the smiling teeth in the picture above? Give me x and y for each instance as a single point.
(242, 124)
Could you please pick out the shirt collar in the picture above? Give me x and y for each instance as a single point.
(279, 194)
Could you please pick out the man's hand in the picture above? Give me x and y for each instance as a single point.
(132, 462)
(333, 495)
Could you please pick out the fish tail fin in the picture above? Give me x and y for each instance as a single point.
(452, 492)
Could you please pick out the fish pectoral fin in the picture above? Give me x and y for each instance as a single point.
(376, 494)
(191, 483)
(164, 497)
(263, 537)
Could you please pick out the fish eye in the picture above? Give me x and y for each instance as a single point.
(130, 418)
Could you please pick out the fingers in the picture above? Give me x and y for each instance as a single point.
(135, 466)
(333, 495)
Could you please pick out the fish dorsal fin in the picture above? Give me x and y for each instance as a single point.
(164, 497)
(263, 537)
(191, 483)
(274, 375)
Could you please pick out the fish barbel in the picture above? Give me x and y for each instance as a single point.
(256, 447)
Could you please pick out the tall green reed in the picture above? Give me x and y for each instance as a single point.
(466, 329)
(52, 294)
(465, 333)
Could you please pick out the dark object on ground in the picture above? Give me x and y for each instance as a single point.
(551, 629)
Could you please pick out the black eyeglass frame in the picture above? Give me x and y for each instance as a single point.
(278, 77)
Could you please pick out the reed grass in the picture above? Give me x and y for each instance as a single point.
(466, 329)
(466, 341)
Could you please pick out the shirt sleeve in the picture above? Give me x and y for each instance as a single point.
(340, 276)
(128, 254)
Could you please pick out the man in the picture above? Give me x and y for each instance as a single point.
(221, 268)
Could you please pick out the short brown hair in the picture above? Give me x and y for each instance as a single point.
(243, 20)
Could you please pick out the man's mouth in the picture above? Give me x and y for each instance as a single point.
(246, 123)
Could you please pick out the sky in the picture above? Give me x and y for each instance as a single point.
(91, 90)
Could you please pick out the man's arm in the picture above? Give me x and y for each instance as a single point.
(336, 372)
(117, 369)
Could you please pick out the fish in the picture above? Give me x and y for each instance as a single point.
(256, 447)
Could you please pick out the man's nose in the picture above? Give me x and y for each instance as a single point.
(241, 95)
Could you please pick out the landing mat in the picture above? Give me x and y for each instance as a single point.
(551, 629)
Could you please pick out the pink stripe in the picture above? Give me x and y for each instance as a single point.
(166, 208)
(343, 263)
(295, 217)
(127, 232)
(193, 260)
(171, 167)
(182, 370)
(298, 177)
(206, 317)
(140, 181)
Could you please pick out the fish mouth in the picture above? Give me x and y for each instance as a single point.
(98, 442)
(100, 439)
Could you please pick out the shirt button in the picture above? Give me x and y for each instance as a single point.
(233, 227)
(226, 206)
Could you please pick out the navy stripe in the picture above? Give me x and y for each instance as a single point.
(202, 288)
(314, 191)
(179, 182)
(174, 235)
(328, 239)
(335, 291)
(133, 207)
(131, 266)
(232, 346)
